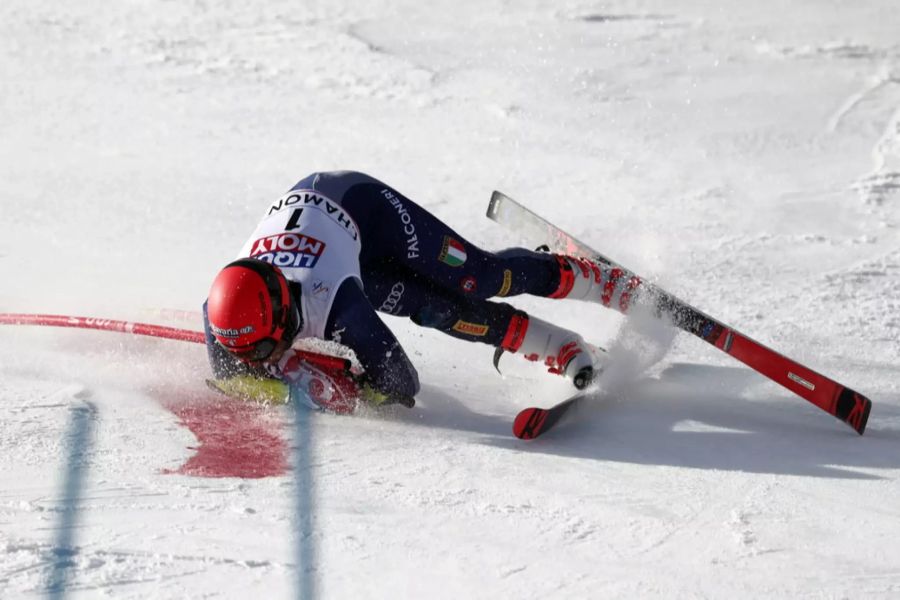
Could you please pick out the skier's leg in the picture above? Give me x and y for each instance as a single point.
(397, 231)
(399, 292)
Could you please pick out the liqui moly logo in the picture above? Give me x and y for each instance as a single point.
(288, 250)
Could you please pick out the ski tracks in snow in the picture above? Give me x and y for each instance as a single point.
(693, 513)
(882, 89)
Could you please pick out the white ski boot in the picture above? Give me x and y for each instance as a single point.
(564, 352)
(593, 281)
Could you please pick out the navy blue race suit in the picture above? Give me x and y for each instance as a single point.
(413, 265)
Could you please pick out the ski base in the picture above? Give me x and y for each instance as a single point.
(532, 422)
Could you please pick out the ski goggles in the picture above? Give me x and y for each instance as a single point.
(256, 352)
(262, 349)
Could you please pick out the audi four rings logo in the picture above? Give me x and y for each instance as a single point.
(390, 303)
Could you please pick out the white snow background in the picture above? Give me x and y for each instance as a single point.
(745, 155)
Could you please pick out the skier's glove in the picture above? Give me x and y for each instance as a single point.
(375, 397)
(254, 389)
(274, 391)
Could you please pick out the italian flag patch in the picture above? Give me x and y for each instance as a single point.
(452, 252)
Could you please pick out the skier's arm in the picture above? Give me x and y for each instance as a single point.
(354, 323)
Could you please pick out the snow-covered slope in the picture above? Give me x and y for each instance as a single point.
(745, 155)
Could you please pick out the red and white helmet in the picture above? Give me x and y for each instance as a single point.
(250, 309)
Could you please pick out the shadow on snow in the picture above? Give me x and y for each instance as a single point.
(692, 416)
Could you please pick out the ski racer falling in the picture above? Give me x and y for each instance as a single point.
(341, 246)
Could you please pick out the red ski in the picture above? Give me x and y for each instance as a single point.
(844, 403)
(532, 422)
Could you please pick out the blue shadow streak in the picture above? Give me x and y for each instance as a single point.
(305, 499)
(79, 432)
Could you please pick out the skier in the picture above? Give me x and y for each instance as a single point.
(340, 246)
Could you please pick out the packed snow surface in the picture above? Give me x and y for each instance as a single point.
(744, 155)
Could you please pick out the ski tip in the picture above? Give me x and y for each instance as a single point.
(528, 423)
(860, 424)
(853, 408)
